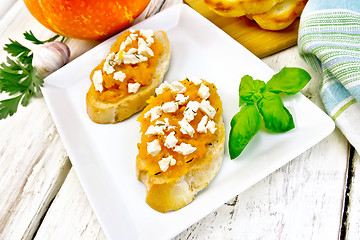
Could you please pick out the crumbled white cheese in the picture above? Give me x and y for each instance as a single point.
(191, 110)
(143, 49)
(170, 107)
(202, 125)
(154, 112)
(181, 99)
(177, 87)
(184, 149)
(97, 80)
(195, 80)
(153, 147)
(118, 58)
(127, 41)
(204, 91)
(206, 107)
(133, 58)
(149, 35)
(155, 130)
(211, 126)
(119, 76)
(108, 68)
(186, 128)
(133, 36)
(133, 87)
(165, 162)
(130, 51)
(162, 88)
(132, 30)
(170, 140)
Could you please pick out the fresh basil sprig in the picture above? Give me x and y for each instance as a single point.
(259, 101)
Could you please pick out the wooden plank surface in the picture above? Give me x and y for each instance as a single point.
(260, 42)
(302, 200)
(33, 161)
(353, 212)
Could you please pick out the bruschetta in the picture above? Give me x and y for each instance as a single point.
(123, 82)
(182, 142)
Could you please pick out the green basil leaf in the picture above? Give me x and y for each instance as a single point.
(250, 90)
(244, 125)
(289, 80)
(277, 117)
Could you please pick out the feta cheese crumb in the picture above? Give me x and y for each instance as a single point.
(202, 125)
(155, 130)
(118, 58)
(211, 126)
(119, 76)
(165, 162)
(170, 140)
(195, 80)
(162, 88)
(191, 110)
(177, 87)
(206, 107)
(131, 51)
(143, 49)
(108, 68)
(204, 91)
(97, 80)
(181, 99)
(148, 34)
(133, 87)
(170, 107)
(186, 128)
(127, 41)
(133, 58)
(184, 149)
(154, 112)
(153, 147)
(133, 36)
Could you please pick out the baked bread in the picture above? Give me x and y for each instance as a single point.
(238, 8)
(268, 14)
(182, 143)
(128, 76)
(280, 16)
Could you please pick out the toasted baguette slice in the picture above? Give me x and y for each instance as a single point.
(172, 185)
(238, 8)
(281, 15)
(101, 111)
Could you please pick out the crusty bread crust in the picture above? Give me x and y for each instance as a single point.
(167, 194)
(103, 112)
(238, 8)
(268, 14)
(281, 15)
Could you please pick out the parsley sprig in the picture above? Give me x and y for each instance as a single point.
(18, 76)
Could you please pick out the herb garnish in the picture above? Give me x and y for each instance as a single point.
(17, 75)
(260, 102)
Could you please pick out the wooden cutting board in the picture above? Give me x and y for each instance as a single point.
(260, 42)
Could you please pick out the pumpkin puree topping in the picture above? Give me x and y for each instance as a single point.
(170, 125)
(139, 72)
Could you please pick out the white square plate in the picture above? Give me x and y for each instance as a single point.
(104, 155)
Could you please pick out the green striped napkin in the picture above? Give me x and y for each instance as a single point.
(329, 41)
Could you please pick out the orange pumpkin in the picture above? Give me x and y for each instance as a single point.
(86, 19)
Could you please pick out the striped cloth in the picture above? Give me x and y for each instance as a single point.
(329, 41)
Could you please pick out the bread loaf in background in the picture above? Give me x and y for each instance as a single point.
(268, 14)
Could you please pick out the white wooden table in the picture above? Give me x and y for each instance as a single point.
(315, 196)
